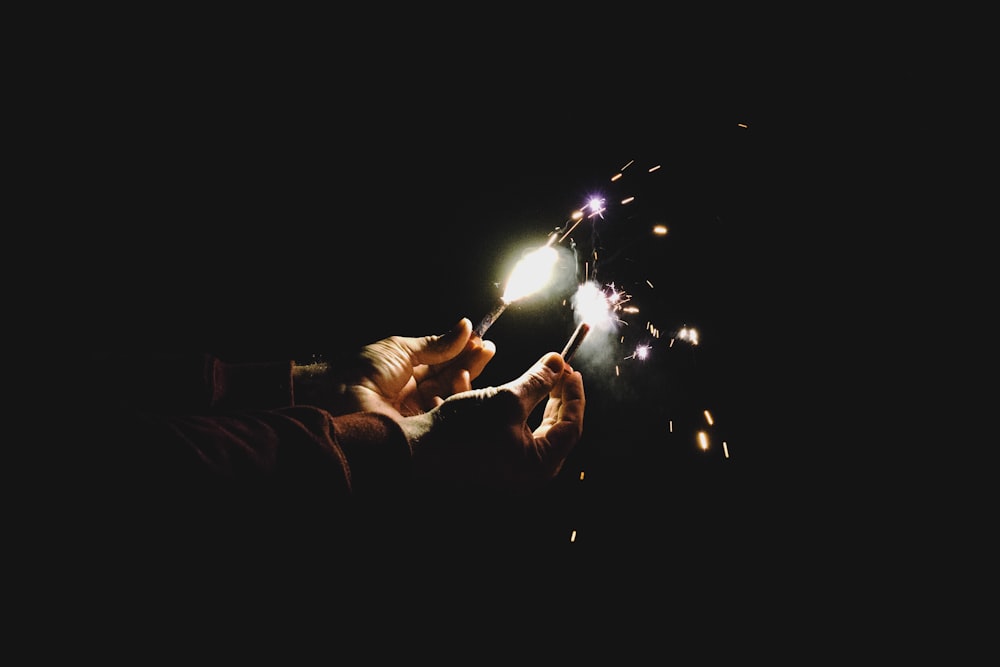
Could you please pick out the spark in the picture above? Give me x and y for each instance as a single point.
(641, 352)
(596, 204)
(689, 334)
(703, 440)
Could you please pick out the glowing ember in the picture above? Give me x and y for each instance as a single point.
(703, 440)
(688, 334)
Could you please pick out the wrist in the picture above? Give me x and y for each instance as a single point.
(416, 428)
(315, 384)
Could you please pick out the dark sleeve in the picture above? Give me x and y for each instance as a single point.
(190, 383)
(297, 458)
(248, 497)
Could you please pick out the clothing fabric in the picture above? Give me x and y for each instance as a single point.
(191, 448)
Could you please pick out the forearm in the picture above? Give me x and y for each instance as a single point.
(316, 384)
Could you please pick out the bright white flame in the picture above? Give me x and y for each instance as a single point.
(593, 306)
(531, 273)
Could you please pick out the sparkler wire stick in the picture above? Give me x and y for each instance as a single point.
(574, 341)
(489, 318)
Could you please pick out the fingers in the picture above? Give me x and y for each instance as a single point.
(477, 354)
(441, 348)
(538, 381)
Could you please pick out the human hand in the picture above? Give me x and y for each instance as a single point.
(404, 376)
(482, 437)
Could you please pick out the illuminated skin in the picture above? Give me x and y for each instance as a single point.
(402, 376)
(464, 435)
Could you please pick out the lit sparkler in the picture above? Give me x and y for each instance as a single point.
(531, 273)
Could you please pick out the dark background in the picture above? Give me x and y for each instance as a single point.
(261, 219)
(197, 183)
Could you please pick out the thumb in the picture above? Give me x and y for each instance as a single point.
(440, 348)
(536, 383)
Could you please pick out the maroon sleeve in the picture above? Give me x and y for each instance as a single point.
(230, 458)
(188, 383)
(293, 454)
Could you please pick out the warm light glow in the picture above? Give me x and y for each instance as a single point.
(688, 334)
(703, 440)
(532, 272)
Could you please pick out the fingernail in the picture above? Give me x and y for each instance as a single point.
(554, 363)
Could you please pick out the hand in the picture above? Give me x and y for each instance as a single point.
(482, 436)
(401, 376)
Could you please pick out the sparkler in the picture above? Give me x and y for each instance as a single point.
(575, 340)
(531, 273)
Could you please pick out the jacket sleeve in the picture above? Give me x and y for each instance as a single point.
(209, 436)
(191, 383)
